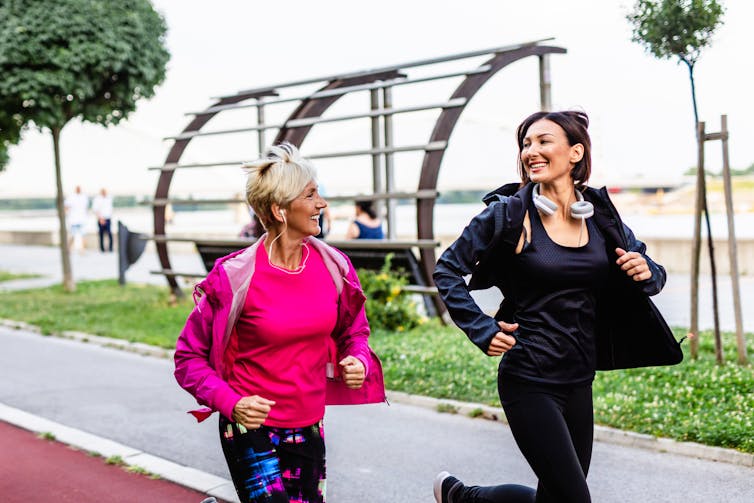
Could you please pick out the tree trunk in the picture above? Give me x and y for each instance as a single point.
(690, 65)
(696, 246)
(69, 285)
(702, 187)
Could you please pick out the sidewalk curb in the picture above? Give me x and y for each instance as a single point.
(472, 410)
(200, 481)
(601, 433)
(105, 342)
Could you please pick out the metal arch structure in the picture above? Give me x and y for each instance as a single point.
(309, 112)
(447, 122)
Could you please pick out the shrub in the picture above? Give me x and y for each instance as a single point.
(389, 306)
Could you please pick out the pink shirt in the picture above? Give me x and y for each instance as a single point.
(280, 351)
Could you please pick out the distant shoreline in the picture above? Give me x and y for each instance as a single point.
(684, 193)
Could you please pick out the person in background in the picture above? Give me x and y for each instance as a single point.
(279, 331)
(366, 225)
(254, 228)
(576, 286)
(102, 206)
(325, 218)
(76, 206)
(169, 213)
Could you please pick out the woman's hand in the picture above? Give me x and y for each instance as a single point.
(252, 411)
(502, 341)
(353, 371)
(634, 264)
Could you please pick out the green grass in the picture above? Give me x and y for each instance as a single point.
(697, 400)
(7, 276)
(137, 313)
(115, 460)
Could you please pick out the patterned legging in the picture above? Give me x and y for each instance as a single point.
(275, 465)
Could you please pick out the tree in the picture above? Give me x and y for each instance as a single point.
(676, 29)
(91, 60)
(681, 29)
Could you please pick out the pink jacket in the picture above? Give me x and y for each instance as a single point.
(200, 366)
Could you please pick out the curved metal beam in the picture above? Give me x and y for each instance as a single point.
(444, 126)
(315, 107)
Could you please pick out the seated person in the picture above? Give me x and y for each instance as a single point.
(366, 225)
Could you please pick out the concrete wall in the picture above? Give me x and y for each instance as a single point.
(675, 255)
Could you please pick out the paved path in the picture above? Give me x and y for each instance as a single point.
(35, 469)
(376, 453)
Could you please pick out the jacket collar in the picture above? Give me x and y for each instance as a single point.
(238, 268)
(508, 190)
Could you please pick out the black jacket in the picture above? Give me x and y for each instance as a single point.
(631, 332)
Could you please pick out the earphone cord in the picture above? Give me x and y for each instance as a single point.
(269, 252)
(304, 253)
(581, 229)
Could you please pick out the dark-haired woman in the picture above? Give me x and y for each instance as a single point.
(576, 286)
(366, 225)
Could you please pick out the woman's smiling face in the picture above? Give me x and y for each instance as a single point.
(546, 154)
(302, 215)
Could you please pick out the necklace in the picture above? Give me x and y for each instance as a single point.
(297, 270)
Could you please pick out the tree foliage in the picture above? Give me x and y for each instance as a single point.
(675, 28)
(87, 59)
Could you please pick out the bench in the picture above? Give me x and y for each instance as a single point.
(369, 254)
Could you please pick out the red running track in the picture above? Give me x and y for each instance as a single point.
(38, 470)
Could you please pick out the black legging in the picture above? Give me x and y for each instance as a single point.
(553, 426)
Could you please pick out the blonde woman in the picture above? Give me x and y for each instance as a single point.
(278, 332)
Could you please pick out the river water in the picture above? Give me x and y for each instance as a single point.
(450, 219)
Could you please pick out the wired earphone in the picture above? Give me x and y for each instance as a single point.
(581, 209)
(304, 252)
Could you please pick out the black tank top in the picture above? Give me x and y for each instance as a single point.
(554, 290)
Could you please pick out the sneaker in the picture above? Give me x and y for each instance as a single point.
(445, 487)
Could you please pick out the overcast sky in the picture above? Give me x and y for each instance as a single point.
(642, 120)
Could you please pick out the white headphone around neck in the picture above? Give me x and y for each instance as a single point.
(580, 209)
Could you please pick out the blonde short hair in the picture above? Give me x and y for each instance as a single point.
(277, 178)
